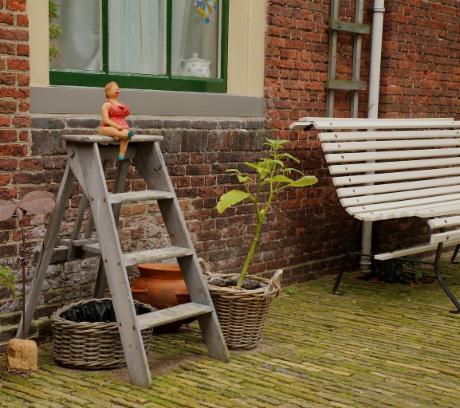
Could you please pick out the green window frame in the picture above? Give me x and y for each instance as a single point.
(166, 82)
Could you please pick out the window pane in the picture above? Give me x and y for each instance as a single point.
(80, 42)
(196, 38)
(137, 38)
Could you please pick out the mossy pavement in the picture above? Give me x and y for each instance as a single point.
(378, 345)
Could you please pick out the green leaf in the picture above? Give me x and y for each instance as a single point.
(261, 168)
(275, 143)
(290, 157)
(255, 166)
(279, 179)
(230, 199)
(304, 181)
(271, 163)
(243, 179)
(290, 170)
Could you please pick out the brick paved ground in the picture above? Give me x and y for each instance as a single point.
(377, 346)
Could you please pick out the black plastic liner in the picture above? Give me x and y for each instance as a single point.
(97, 311)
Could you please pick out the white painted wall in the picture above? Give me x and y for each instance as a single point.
(246, 48)
(37, 11)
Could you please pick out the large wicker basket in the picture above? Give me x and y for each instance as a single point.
(90, 346)
(242, 313)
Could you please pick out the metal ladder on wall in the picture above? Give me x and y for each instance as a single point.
(88, 155)
(355, 84)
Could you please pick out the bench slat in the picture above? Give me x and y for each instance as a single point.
(396, 165)
(391, 187)
(400, 195)
(386, 145)
(401, 175)
(394, 155)
(447, 236)
(424, 211)
(445, 222)
(400, 253)
(386, 135)
(444, 210)
(398, 206)
(346, 123)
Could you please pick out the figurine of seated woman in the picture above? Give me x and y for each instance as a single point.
(113, 122)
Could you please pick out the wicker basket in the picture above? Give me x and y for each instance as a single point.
(90, 346)
(242, 313)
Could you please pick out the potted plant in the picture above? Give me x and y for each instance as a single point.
(242, 301)
(22, 354)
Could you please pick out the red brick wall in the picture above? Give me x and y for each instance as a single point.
(420, 78)
(14, 105)
(14, 114)
(14, 93)
(420, 60)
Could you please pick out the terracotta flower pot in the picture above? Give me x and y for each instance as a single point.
(161, 286)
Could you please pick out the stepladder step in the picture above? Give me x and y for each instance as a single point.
(135, 196)
(172, 314)
(151, 255)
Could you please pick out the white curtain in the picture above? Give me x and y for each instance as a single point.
(80, 41)
(137, 36)
(190, 34)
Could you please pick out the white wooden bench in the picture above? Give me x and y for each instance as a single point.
(395, 168)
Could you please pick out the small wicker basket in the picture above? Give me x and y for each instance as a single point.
(90, 346)
(242, 313)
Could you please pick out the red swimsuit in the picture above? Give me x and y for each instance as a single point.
(118, 113)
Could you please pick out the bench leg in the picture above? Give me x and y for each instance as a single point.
(454, 255)
(338, 279)
(437, 269)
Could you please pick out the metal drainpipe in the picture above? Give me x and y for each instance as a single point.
(373, 106)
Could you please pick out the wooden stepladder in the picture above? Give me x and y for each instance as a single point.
(86, 157)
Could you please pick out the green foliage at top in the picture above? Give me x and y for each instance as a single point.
(55, 30)
(7, 279)
(272, 175)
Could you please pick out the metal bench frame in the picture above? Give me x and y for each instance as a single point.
(397, 168)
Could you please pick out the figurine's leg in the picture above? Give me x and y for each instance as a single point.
(121, 135)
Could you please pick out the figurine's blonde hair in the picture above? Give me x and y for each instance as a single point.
(108, 86)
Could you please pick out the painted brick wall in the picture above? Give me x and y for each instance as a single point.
(421, 59)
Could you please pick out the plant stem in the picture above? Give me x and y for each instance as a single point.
(260, 214)
(252, 251)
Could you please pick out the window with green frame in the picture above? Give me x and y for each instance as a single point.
(178, 45)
